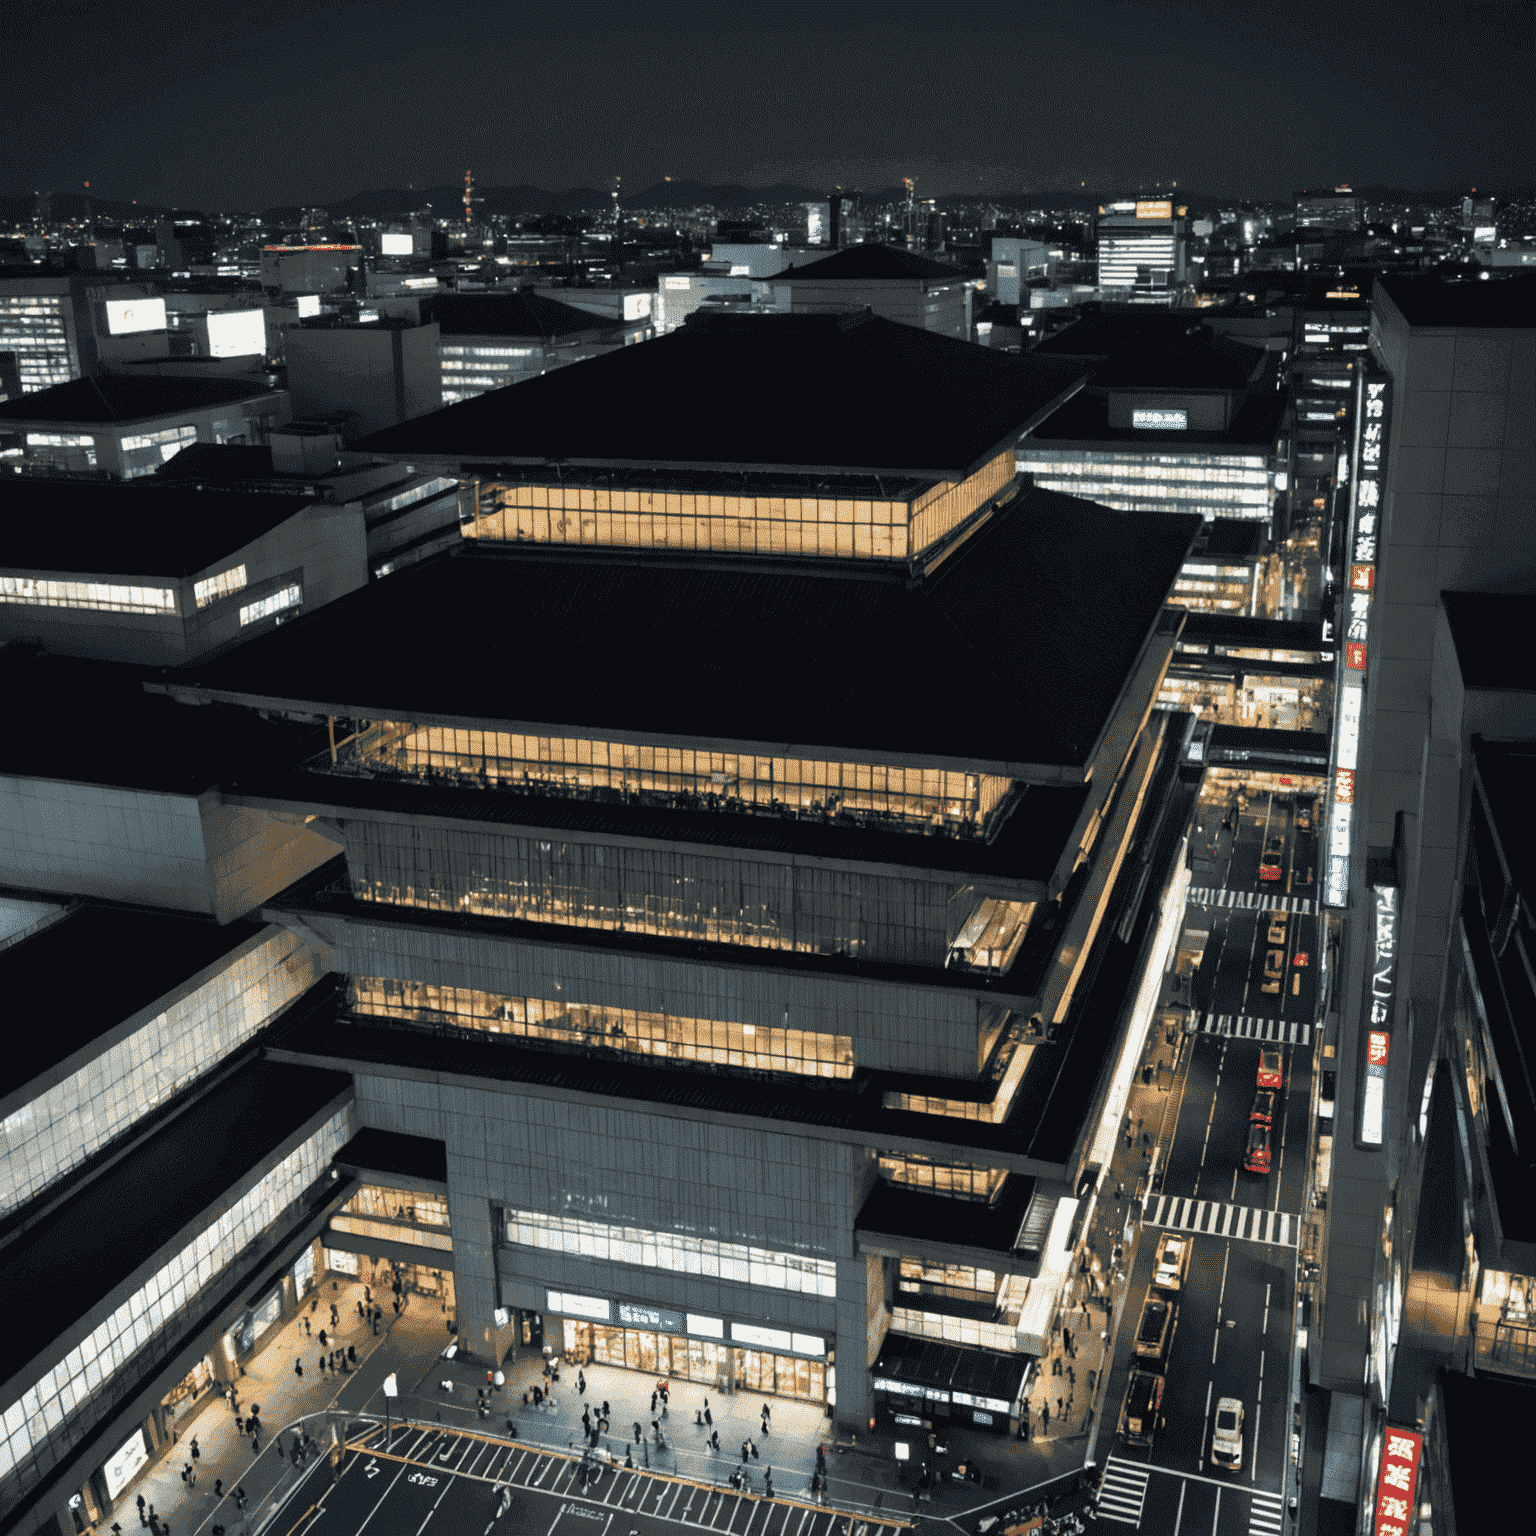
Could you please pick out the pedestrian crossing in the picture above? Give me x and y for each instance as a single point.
(1244, 1026)
(707, 1502)
(1266, 1514)
(1253, 901)
(1123, 1491)
(1214, 1218)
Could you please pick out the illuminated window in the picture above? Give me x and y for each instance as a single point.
(918, 799)
(957, 1181)
(673, 1251)
(145, 452)
(225, 584)
(101, 596)
(265, 607)
(589, 1027)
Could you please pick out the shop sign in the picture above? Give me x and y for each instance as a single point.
(910, 1420)
(1362, 578)
(1344, 786)
(564, 1303)
(125, 1463)
(1395, 1483)
(900, 1388)
(1380, 991)
(1354, 656)
(304, 1271)
(761, 1338)
(260, 1319)
(706, 1327)
(809, 1344)
(658, 1318)
(1378, 1043)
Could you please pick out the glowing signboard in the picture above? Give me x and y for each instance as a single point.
(127, 317)
(1381, 988)
(579, 1306)
(125, 1463)
(237, 333)
(1154, 209)
(636, 306)
(1395, 1483)
(1161, 421)
(396, 245)
(307, 304)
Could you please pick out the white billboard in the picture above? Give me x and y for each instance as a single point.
(119, 1470)
(308, 304)
(395, 245)
(636, 305)
(127, 316)
(237, 333)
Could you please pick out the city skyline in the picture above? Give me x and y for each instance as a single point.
(309, 112)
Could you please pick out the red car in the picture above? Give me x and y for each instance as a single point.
(1269, 864)
(1256, 1152)
(1271, 1072)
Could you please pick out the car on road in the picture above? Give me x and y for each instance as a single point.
(1302, 958)
(1304, 819)
(1277, 929)
(1256, 1147)
(1263, 1106)
(1274, 971)
(1269, 862)
(1155, 1328)
(1141, 1417)
(1172, 1263)
(1227, 1436)
(1271, 1072)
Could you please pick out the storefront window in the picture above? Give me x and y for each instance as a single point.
(683, 1359)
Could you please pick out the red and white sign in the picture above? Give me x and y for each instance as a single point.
(1377, 1041)
(1362, 578)
(1344, 786)
(1354, 656)
(1394, 1483)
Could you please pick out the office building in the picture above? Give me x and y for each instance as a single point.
(1141, 251)
(1174, 418)
(488, 341)
(1335, 211)
(126, 427)
(896, 285)
(313, 268)
(379, 372)
(1012, 264)
(1440, 503)
(793, 998)
(65, 326)
(162, 574)
(833, 221)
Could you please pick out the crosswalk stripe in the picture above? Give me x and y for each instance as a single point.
(1254, 901)
(1123, 1491)
(1247, 1026)
(1266, 1514)
(1213, 1218)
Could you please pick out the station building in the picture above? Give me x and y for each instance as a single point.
(719, 958)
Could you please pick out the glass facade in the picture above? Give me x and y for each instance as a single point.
(954, 1330)
(104, 597)
(684, 1359)
(829, 526)
(77, 1117)
(714, 897)
(654, 1035)
(1212, 484)
(672, 1251)
(1208, 586)
(399, 1205)
(61, 450)
(264, 607)
(144, 452)
(915, 1172)
(468, 371)
(34, 328)
(225, 584)
(677, 778)
(86, 1386)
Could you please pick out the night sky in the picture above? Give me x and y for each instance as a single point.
(245, 106)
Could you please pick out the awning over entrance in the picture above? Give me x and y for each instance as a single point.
(949, 1378)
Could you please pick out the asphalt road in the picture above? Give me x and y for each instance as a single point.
(1234, 1325)
(472, 1484)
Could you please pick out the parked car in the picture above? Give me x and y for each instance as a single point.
(1155, 1328)
(1227, 1435)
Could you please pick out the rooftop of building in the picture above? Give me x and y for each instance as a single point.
(75, 1256)
(895, 1210)
(133, 956)
(1001, 656)
(211, 463)
(1197, 360)
(1254, 427)
(1102, 329)
(130, 528)
(1491, 631)
(112, 398)
(519, 315)
(872, 263)
(757, 392)
(998, 313)
(174, 750)
(1433, 303)
(1234, 537)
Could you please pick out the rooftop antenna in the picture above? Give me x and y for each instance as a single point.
(469, 198)
(615, 196)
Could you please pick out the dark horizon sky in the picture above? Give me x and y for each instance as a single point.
(182, 101)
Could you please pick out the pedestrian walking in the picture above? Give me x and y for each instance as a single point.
(195, 1452)
(745, 1453)
(654, 1396)
(765, 1421)
(821, 1458)
(714, 1441)
(322, 1365)
(143, 1518)
(277, 1445)
(753, 1445)
(298, 1368)
(768, 1482)
(586, 1420)
(1072, 1376)
(352, 1354)
(335, 1317)
(255, 1445)
(637, 1431)
(1045, 1417)
(218, 1487)
(309, 1332)
(324, 1342)
(605, 1410)
(239, 1425)
(581, 1383)
(767, 1411)
(1093, 1377)
(709, 1418)
(1058, 1405)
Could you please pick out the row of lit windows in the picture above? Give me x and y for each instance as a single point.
(824, 526)
(182, 434)
(672, 1251)
(714, 1041)
(60, 440)
(399, 1205)
(950, 1179)
(954, 1330)
(98, 595)
(1181, 471)
(264, 607)
(62, 1408)
(1156, 498)
(225, 584)
(925, 797)
(444, 352)
(955, 1277)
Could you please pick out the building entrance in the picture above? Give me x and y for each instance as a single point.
(701, 1360)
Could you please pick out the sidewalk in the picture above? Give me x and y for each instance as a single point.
(285, 1399)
